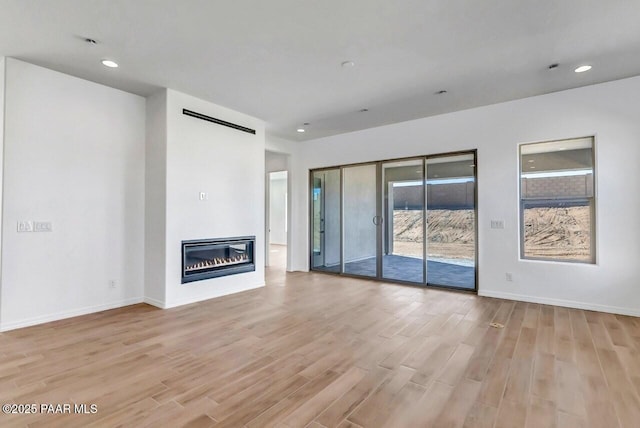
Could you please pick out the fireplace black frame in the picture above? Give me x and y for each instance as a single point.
(250, 266)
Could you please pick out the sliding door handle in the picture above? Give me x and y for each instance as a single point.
(377, 220)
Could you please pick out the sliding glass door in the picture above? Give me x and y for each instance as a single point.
(361, 221)
(409, 220)
(451, 221)
(403, 220)
(325, 220)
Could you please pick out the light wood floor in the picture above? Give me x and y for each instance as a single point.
(321, 351)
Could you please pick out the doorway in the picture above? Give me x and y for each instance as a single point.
(277, 221)
(408, 220)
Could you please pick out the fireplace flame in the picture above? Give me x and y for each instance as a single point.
(218, 262)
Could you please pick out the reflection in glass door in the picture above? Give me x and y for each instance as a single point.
(403, 225)
(451, 221)
(325, 228)
(359, 201)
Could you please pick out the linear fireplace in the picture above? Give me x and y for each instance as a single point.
(211, 258)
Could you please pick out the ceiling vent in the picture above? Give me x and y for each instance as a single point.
(218, 121)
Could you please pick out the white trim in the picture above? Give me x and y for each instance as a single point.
(220, 293)
(561, 302)
(154, 302)
(69, 314)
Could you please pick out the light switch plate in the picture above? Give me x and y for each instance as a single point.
(25, 226)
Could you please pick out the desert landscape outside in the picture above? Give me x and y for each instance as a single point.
(549, 233)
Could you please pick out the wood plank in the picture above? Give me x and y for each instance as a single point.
(426, 410)
(541, 413)
(314, 406)
(343, 406)
(495, 381)
(461, 400)
(322, 351)
(519, 381)
(481, 416)
(375, 409)
(276, 414)
(457, 364)
(511, 414)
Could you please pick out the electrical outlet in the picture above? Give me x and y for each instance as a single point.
(508, 276)
(497, 224)
(112, 283)
(25, 226)
(42, 226)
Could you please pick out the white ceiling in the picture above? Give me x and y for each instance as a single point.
(279, 60)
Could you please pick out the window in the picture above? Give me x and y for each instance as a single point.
(557, 201)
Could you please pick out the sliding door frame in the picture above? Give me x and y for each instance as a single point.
(311, 222)
(473, 152)
(380, 229)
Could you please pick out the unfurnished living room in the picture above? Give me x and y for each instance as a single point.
(295, 213)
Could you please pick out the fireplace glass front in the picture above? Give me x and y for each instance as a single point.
(211, 258)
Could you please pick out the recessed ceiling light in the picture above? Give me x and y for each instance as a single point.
(530, 161)
(301, 130)
(109, 63)
(532, 167)
(583, 68)
(348, 64)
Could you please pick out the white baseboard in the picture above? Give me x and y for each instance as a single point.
(154, 302)
(561, 302)
(98, 308)
(68, 314)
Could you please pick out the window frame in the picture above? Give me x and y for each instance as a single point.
(592, 261)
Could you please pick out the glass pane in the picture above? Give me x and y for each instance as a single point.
(326, 220)
(557, 200)
(451, 221)
(403, 226)
(359, 202)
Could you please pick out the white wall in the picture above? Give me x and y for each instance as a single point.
(610, 111)
(2, 85)
(278, 209)
(228, 165)
(155, 224)
(74, 156)
(275, 162)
